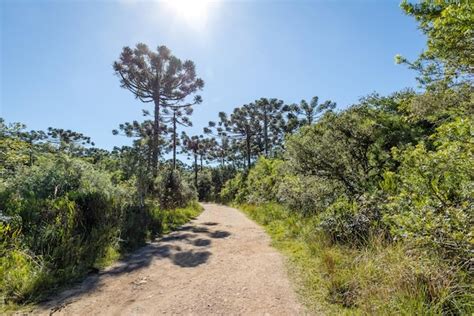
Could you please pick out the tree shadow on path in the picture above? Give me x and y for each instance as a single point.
(188, 247)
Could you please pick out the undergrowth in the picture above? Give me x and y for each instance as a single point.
(26, 278)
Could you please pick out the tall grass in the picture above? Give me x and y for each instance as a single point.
(26, 277)
(381, 278)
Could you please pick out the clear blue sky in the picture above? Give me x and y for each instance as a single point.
(56, 56)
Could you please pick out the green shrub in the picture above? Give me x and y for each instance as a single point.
(172, 190)
(170, 220)
(430, 202)
(263, 180)
(219, 176)
(235, 189)
(134, 227)
(204, 185)
(307, 194)
(63, 217)
(343, 223)
(70, 215)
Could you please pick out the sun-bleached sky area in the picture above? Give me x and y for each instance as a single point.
(56, 56)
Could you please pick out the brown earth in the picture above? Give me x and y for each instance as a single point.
(219, 264)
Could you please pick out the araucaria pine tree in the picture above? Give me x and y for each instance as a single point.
(161, 78)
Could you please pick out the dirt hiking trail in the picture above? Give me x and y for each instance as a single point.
(220, 263)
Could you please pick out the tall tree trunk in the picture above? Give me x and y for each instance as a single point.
(156, 137)
(265, 129)
(195, 170)
(201, 161)
(248, 151)
(149, 154)
(174, 140)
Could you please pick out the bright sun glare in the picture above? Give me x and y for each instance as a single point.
(192, 11)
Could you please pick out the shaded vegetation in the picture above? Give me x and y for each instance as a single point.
(64, 217)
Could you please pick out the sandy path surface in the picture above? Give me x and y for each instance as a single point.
(220, 263)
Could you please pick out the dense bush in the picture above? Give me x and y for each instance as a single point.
(63, 217)
(431, 200)
(219, 176)
(204, 185)
(172, 190)
(69, 215)
(235, 189)
(307, 194)
(351, 222)
(263, 180)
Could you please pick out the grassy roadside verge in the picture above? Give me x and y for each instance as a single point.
(173, 219)
(162, 222)
(304, 266)
(381, 279)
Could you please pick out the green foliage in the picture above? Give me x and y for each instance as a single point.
(380, 197)
(235, 189)
(448, 26)
(174, 218)
(70, 213)
(172, 190)
(259, 128)
(219, 176)
(351, 223)
(263, 180)
(204, 185)
(63, 217)
(13, 150)
(430, 199)
(349, 148)
(13, 154)
(435, 106)
(307, 194)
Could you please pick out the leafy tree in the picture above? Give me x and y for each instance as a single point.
(206, 150)
(219, 176)
(450, 44)
(204, 186)
(263, 179)
(352, 147)
(33, 138)
(158, 77)
(96, 155)
(244, 126)
(17, 145)
(172, 190)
